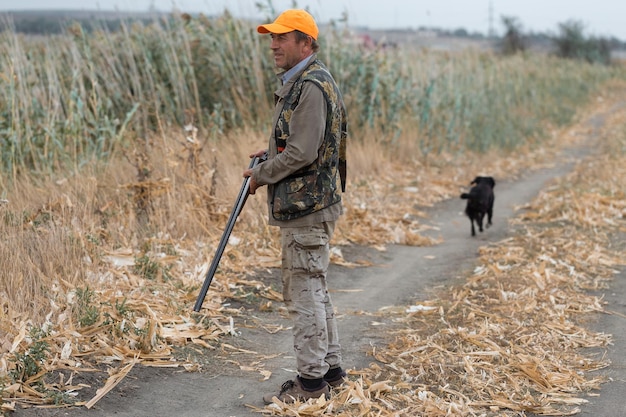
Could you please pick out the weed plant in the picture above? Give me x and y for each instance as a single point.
(85, 309)
(29, 363)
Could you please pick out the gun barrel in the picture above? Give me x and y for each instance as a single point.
(241, 200)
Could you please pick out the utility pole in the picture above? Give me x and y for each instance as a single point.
(491, 32)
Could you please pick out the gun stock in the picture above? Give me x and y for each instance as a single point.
(240, 202)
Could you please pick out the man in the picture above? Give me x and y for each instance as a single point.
(305, 166)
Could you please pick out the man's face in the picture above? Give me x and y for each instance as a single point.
(287, 51)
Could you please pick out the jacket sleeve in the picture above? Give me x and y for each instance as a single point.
(306, 134)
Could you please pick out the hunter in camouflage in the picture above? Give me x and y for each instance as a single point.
(305, 172)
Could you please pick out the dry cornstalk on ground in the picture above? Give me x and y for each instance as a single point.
(136, 310)
(510, 341)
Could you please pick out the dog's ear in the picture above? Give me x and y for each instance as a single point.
(492, 182)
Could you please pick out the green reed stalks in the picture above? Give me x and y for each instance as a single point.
(66, 100)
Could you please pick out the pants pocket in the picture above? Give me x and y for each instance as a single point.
(311, 252)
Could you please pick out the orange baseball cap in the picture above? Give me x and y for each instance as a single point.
(290, 20)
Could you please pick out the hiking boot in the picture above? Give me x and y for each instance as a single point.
(294, 390)
(337, 380)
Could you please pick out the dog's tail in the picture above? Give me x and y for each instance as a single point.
(465, 196)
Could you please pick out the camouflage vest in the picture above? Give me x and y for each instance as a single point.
(314, 187)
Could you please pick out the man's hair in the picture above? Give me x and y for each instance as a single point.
(301, 37)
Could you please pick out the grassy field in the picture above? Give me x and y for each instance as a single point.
(123, 152)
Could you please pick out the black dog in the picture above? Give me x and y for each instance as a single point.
(480, 202)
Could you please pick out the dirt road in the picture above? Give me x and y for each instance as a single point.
(402, 276)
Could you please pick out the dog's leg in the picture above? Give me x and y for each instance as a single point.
(473, 230)
(480, 221)
(490, 209)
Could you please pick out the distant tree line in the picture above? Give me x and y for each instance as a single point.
(570, 42)
(54, 23)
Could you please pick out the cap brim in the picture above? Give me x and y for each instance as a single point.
(273, 28)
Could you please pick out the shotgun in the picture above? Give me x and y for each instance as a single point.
(241, 200)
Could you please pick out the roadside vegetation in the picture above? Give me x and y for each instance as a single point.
(514, 339)
(121, 153)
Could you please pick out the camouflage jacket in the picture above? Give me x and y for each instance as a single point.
(316, 186)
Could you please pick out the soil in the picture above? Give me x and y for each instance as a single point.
(401, 276)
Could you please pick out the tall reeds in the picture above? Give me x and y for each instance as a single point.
(463, 100)
(66, 100)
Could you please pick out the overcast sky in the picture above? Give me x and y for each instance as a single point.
(600, 17)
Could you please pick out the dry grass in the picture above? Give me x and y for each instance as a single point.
(510, 341)
(83, 235)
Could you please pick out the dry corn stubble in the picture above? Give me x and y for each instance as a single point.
(466, 355)
(510, 340)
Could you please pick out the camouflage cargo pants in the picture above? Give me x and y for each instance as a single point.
(305, 259)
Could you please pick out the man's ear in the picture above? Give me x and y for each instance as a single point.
(309, 42)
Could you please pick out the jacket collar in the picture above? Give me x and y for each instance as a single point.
(284, 89)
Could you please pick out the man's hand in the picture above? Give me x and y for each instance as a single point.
(260, 153)
(253, 185)
(248, 172)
